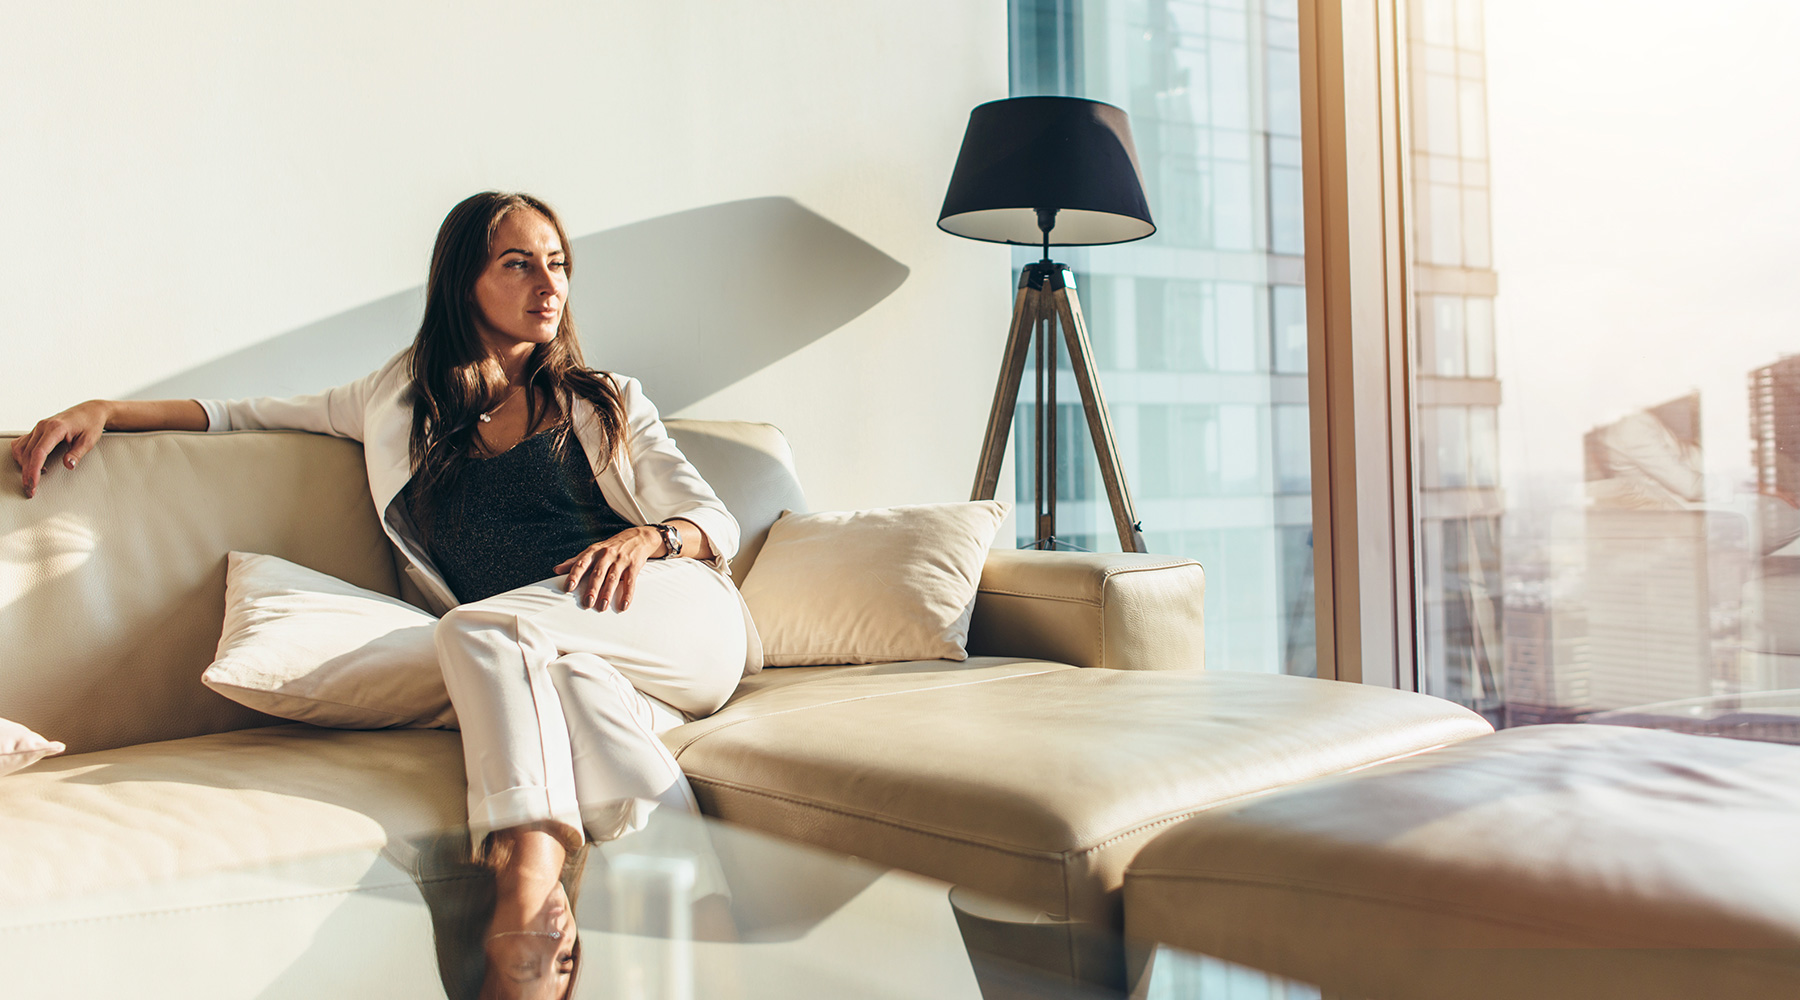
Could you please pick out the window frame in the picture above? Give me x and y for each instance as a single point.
(1356, 177)
(1356, 181)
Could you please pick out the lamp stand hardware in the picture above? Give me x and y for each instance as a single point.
(1046, 299)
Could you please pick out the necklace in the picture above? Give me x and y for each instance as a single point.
(488, 417)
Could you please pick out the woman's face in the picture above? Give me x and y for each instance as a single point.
(521, 294)
(533, 965)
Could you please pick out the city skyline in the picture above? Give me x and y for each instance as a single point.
(1611, 134)
(1545, 170)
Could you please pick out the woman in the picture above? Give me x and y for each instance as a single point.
(579, 562)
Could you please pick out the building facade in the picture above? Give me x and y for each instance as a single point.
(1456, 388)
(1200, 332)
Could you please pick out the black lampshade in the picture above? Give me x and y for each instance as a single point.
(1065, 153)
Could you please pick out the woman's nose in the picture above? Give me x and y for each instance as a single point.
(549, 279)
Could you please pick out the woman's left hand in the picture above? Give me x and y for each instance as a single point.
(606, 572)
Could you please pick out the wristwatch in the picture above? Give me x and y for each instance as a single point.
(671, 537)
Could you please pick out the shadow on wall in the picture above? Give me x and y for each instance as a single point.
(689, 303)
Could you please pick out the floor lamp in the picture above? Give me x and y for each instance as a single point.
(1049, 171)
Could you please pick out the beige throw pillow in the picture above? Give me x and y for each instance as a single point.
(21, 748)
(868, 586)
(302, 645)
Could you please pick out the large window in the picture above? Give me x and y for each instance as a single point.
(1200, 331)
(1547, 358)
(1605, 392)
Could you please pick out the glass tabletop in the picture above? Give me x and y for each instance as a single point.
(682, 909)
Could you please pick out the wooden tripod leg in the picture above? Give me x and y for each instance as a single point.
(1093, 401)
(1006, 394)
(1046, 428)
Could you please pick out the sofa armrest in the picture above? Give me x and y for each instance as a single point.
(1122, 610)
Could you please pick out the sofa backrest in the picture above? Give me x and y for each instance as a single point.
(112, 580)
(751, 467)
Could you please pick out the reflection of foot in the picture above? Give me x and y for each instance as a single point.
(712, 919)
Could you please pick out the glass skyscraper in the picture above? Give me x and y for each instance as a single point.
(1199, 332)
(1456, 395)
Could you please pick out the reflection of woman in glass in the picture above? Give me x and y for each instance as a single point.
(578, 559)
(504, 927)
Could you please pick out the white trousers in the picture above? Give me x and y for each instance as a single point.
(560, 705)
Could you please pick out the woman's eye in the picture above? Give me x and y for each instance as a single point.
(559, 263)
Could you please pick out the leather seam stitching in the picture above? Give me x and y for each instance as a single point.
(1105, 587)
(1091, 602)
(844, 662)
(1112, 571)
(846, 701)
(1105, 577)
(1065, 856)
(1153, 824)
(1059, 857)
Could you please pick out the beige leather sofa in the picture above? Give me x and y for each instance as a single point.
(1080, 728)
(1580, 861)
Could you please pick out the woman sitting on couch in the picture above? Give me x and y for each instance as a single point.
(578, 560)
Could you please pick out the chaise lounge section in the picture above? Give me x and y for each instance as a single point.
(1546, 861)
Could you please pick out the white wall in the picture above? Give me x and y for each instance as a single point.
(227, 199)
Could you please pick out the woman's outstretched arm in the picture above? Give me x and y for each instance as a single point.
(79, 428)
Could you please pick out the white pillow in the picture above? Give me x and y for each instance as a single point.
(869, 586)
(21, 748)
(309, 647)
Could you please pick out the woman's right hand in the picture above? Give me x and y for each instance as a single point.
(79, 427)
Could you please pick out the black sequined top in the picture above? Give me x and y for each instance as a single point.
(506, 521)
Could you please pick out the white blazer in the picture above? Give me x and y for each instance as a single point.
(648, 480)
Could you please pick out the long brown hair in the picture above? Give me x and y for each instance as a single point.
(452, 381)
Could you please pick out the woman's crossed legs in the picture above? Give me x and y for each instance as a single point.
(560, 705)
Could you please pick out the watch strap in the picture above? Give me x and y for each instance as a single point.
(671, 537)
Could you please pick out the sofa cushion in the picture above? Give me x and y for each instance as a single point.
(302, 645)
(21, 748)
(1031, 780)
(1543, 861)
(139, 816)
(871, 586)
